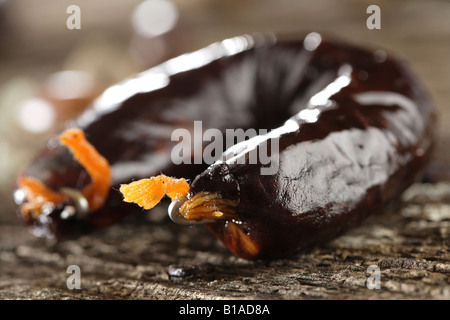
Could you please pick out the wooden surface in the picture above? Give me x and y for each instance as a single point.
(149, 257)
(154, 259)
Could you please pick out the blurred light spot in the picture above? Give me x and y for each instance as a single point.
(19, 196)
(68, 212)
(152, 18)
(53, 141)
(36, 115)
(363, 75)
(380, 56)
(312, 41)
(70, 84)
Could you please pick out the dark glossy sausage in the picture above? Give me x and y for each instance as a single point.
(362, 144)
(352, 128)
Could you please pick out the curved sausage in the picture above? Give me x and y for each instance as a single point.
(352, 128)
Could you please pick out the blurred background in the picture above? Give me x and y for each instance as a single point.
(49, 72)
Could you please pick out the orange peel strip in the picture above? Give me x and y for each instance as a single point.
(239, 239)
(147, 193)
(95, 164)
(208, 206)
(37, 195)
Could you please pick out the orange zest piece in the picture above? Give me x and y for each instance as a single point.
(208, 206)
(239, 239)
(175, 188)
(147, 193)
(95, 164)
(37, 195)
